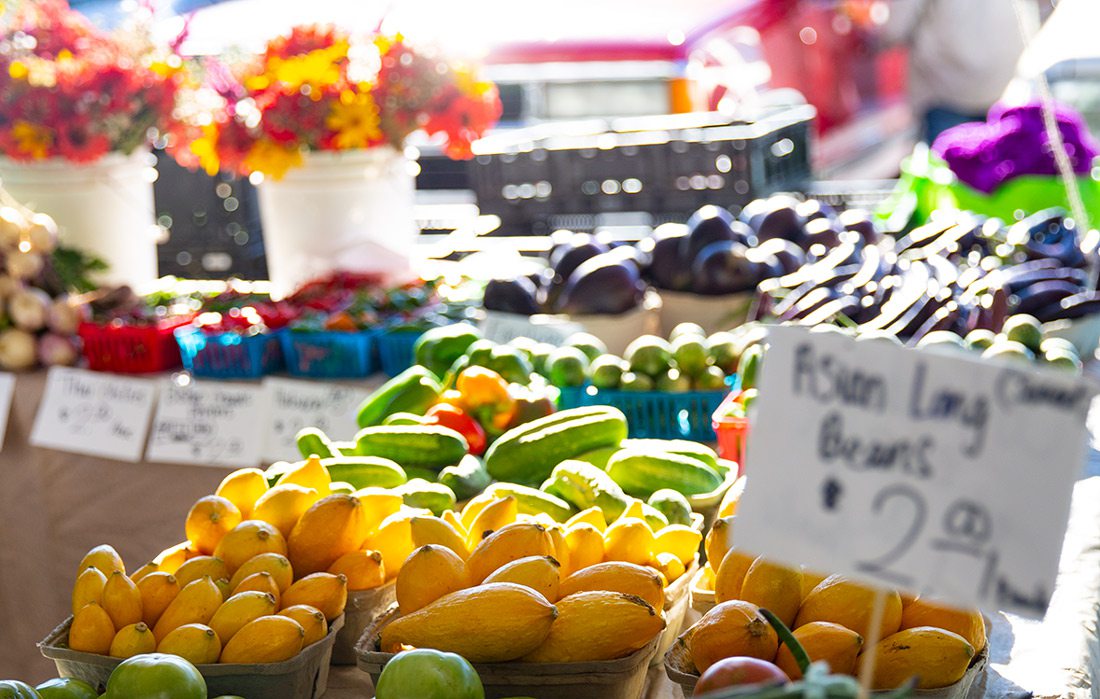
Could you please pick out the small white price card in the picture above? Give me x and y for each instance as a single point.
(505, 327)
(292, 405)
(7, 390)
(96, 414)
(933, 472)
(208, 423)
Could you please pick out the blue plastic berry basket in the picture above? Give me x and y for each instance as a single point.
(395, 349)
(329, 354)
(229, 355)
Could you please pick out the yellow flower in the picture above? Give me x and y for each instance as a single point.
(33, 140)
(272, 159)
(205, 148)
(320, 67)
(18, 70)
(355, 120)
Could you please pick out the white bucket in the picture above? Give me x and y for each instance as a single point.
(349, 210)
(104, 208)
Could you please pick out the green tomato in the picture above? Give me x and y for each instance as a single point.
(156, 676)
(14, 689)
(66, 688)
(429, 674)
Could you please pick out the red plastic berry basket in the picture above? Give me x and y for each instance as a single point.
(132, 349)
(732, 431)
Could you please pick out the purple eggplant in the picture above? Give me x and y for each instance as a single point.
(790, 256)
(724, 268)
(512, 296)
(605, 284)
(712, 224)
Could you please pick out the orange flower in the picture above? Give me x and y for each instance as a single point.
(354, 118)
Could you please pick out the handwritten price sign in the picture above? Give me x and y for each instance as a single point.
(96, 414)
(209, 424)
(936, 473)
(296, 404)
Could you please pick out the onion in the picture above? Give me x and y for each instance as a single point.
(24, 265)
(55, 350)
(42, 233)
(65, 315)
(17, 350)
(12, 226)
(28, 308)
(8, 286)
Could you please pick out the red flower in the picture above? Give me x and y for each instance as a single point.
(302, 40)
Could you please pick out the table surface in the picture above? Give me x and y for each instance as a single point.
(55, 506)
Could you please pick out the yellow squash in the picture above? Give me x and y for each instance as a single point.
(243, 488)
(510, 543)
(616, 576)
(585, 543)
(598, 626)
(378, 504)
(269, 639)
(325, 592)
(593, 516)
(937, 658)
(210, 519)
(157, 592)
(274, 563)
(195, 643)
(332, 527)
(968, 623)
(258, 582)
(733, 628)
(310, 473)
(201, 567)
(284, 505)
(363, 569)
(629, 539)
(843, 601)
(679, 540)
(434, 530)
(103, 558)
(490, 623)
(730, 576)
(121, 600)
(496, 515)
(312, 621)
(774, 587)
(540, 573)
(429, 573)
(248, 539)
(822, 640)
(132, 640)
(732, 498)
(394, 541)
(669, 566)
(719, 539)
(239, 610)
(91, 630)
(88, 588)
(195, 604)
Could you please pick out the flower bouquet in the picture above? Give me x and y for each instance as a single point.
(78, 109)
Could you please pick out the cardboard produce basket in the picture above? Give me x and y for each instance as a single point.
(681, 670)
(677, 602)
(608, 679)
(362, 609)
(305, 676)
(702, 600)
(713, 313)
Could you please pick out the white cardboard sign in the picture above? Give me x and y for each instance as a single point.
(208, 424)
(505, 327)
(7, 391)
(292, 405)
(939, 474)
(96, 414)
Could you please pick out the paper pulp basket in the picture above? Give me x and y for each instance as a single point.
(362, 609)
(609, 679)
(305, 676)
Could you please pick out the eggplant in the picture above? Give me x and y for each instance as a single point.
(512, 296)
(810, 303)
(1049, 234)
(770, 266)
(1071, 307)
(712, 224)
(1040, 294)
(724, 268)
(583, 247)
(821, 231)
(846, 306)
(782, 221)
(812, 209)
(604, 284)
(861, 222)
(790, 256)
(665, 268)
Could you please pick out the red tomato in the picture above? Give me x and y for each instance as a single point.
(739, 672)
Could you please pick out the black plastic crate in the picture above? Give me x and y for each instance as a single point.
(535, 182)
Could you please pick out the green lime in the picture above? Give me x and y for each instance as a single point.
(1060, 359)
(722, 348)
(672, 381)
(687, 330)
(749, 366)
(567, 366)
(1058, 343)
(943, 340)
(1024, 329)
(635, 382)
(525, 345)
(480, 352)
(539, 356)
(511, 363)
(713, 379)
(588, 343)
(1007, 349)
(607, 371)
(980, 339)
(690, 354)
(649, 355)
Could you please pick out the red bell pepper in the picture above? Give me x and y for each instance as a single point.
(447, 415)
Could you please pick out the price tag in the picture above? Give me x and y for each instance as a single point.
(931, 472)
(7, 390)
(96, 414)
(505, 327)
(296, 404)
(209, 424)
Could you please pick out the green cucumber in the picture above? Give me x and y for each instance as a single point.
(598, 457)
(412, 391)
(654, 517)
(403, 419)
(275, 471)
(527, 454)
(431, 496)
(641, 473)
(532, 501)
(341, 487)
(673, 505)
(343, 448)
(364, 471)
(582, 485)
(422, 473)
(426, 446)
(313, 442)
(682, 447)
(467, 478)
